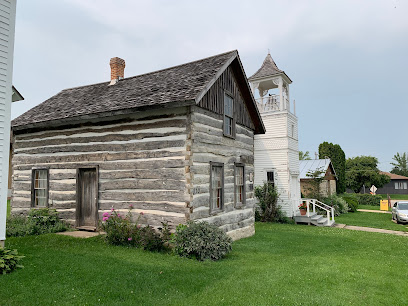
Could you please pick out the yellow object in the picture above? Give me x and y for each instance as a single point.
(384, 205)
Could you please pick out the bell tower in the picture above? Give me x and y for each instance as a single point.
(277, 151)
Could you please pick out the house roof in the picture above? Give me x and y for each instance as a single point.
(394, 176)
(312, 165)
(181, 85)
(268, 68)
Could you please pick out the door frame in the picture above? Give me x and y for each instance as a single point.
(78, 193)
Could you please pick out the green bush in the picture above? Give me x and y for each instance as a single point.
(368, 199)
(39, 221)
(340, 206)
(121, 231)
(268, 209)
(9, 260)
(201, 241)
(351, 200)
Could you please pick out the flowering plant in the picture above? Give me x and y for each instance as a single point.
(120, 230)
(303, 206)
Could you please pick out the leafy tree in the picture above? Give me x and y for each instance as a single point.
(338, 159)
(363, 170)
(315, 179)
(304, 155)
(400, 165)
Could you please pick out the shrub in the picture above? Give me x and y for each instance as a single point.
(368, 199)
(17, 226)
(9, 260)
(351, 200)
(39, 221)
(45, 220)
(121, 231)
(201, 241)
(268, 209)
(340, 206)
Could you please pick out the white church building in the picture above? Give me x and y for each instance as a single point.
(276, 152)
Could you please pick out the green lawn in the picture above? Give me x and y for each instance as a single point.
(371, 207)
(280, 265)
(395, 196)
(370, 219)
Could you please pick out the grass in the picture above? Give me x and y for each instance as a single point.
(370, 207)
(371, 219)
(280, 265)
(8, 208)
(395, 196)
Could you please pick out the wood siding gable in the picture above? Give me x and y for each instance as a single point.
(227, 83)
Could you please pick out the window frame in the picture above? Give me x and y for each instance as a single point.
(274, 176)
(221, 208)
(228, 94)
(33, 170)
(243, 203)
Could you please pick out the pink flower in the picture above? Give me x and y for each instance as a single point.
(106, 214)
(112, 209)
(105, 218)
(119, 215)
(130, 239)
(130, 206)
(138, 226)
(142, 213)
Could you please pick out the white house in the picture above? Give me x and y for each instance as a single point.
(7, 17)
(276, 157)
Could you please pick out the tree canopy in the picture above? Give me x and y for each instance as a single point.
(400, 165)
(304, 155)
(338, 159)
(363, 170)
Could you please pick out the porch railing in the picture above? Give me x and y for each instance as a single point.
(313, 203)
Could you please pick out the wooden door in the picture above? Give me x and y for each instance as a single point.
(87, 197)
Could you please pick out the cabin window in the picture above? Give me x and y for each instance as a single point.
(217, 186)
(401, 185)
(229, 128)
(239, 185)
(270, 178)
(39, 191)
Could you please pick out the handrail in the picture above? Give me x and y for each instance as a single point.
(329, 210)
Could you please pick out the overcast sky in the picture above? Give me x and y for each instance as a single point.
(347, 59)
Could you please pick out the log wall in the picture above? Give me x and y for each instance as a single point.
(209, 145)
(142, 161)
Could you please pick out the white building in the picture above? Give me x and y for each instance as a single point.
(276, 151)
(7, 18)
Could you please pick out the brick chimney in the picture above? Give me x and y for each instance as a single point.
(117, 69)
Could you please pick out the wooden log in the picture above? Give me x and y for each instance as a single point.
(142, 184)
(147, 195)
(179, 121)
(178, 207)
(105, 138)
(175, 173)
(105, 156)
(108, 147)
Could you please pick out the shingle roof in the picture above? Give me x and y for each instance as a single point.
(313, 165)
(268, 68)
(394, 176)
(176, 84)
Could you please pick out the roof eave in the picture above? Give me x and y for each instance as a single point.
(82, 118)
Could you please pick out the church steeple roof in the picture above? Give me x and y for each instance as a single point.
(268, 68)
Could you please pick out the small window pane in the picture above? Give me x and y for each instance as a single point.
(396, 186)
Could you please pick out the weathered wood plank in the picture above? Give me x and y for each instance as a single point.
(178, 207)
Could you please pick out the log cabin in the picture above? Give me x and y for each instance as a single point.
(177, 144)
